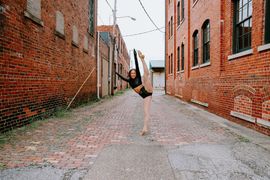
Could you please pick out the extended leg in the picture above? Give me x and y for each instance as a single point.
(147, 105)
(146, 78)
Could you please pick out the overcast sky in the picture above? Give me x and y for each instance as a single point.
(152, 44)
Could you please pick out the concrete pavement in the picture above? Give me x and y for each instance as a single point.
(102, 141)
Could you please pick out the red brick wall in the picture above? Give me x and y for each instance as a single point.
(240, 85)
(39, 71)
(122, 54)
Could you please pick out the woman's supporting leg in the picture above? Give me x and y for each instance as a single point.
(146, 78)
(147, 106)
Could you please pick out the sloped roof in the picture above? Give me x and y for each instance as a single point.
(157, 64)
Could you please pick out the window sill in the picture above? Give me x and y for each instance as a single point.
(33, 18)
(182, 71)
(243, 116)
(170, 75)
(181, 22)
(85, 51)
(195, 67)
(241, 54)
(263, 122)
(264, 47)
(75, 44)
(59, 34)
(205, 64)
(195, 3)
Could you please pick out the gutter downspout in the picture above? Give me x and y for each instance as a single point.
(165, 54)
(98, 66)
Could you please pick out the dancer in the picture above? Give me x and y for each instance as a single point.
(141, 86)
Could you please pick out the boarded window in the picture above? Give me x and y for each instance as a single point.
(60, 23)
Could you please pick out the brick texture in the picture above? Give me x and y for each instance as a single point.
(122, 57)
(41, 70)
(241, 84)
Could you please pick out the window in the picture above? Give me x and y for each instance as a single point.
(206, 41)
(92, 17)
(178, 59)
(182, 9)
(169, 64)
(182, 57)
(178, 13)
(242, 25)
(195, 48)
(171, 26)
(267, 22)
(169, 29)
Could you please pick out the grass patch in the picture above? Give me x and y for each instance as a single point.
(2, 166)
(243, 139)
(61, 113)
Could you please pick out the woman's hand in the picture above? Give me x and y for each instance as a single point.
(140, 54)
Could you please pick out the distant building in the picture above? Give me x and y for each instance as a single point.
(121, 62)
(157, 71)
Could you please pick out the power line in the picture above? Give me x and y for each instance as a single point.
(145, 32)
(150, 17)
(109, 4)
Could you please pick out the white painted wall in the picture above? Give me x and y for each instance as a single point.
(159, 80)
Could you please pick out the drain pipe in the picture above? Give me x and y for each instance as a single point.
(98, 66)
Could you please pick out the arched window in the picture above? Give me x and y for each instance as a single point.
(178, 13)
(267, 22)
(182, 9)
(178, 58)
(171, 63)
(195, 48)
(206, 41)
(169, 68)
(182, 56)
(171, 26)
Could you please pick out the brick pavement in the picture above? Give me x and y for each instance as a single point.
(75, 141)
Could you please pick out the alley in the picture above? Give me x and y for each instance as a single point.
(101, 141)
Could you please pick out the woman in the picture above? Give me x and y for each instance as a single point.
(143, 88)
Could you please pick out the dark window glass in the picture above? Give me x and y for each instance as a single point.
(178, 59)
(182, 57)
(169, 29)
(91, 17)
(178, 13)
(171, 26)
(206, 41)
(195, 49)
(182, 9)
(171, 63)
(267, 22)
(243, 25)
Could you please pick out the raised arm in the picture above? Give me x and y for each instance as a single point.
(125, 79)
(136, 64)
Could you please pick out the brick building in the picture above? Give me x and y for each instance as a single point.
(47, 50)
(121, 59)
(218, 56)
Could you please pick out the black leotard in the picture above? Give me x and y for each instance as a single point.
(138, 80)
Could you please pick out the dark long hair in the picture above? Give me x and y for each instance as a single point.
(130, 72)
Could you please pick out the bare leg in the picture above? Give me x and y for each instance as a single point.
(146, 78)
(147, 105)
